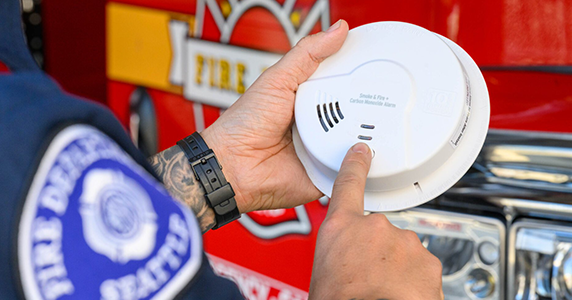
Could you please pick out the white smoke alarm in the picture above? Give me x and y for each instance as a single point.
(416, 98)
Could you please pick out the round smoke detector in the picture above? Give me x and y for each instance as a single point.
(416, 98)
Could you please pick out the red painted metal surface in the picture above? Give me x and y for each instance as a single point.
(74, 36)
(287, 258)
(525, 100)
(507, 32)
(503, 32)
(499, 35)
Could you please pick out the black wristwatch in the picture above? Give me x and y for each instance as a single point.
(208, 171)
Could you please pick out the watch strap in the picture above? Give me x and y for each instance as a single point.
(208, 171)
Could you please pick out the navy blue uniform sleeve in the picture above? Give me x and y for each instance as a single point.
(208, 285)
(82, 214)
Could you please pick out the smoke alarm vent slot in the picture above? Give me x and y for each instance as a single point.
(333, 113)
(418, 187)
(364, 137)
(367, 126)
(328, 116)
(339, 110)
(321, 119)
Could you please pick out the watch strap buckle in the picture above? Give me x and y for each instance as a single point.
(202, 159)
(220, 199)
(218, 192)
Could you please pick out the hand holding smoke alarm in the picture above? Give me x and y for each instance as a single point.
(421, 105)
(414, 97)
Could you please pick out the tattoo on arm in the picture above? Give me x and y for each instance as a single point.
(173, 168)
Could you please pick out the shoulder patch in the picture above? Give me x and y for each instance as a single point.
(96, 225)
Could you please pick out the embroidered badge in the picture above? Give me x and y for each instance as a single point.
(96, 225)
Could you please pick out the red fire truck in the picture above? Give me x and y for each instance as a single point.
(171, 67)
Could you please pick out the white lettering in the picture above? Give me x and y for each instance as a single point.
(125, 288)
(61, 180)
(128, 287)
(66, 162)
(254, 287)
(54, 199)
(89, 144)
(166, 253)
(52, 272)
(48, 258)
(109, 291)
(47, 230)
(147, 284)
(76, 155)
(251, 286)
(178, 245)
(221, 72)
(48, 254)
(149, 278)
(55, 289)
(179, 226)
(155, 265)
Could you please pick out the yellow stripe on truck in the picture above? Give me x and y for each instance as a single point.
(138, 45)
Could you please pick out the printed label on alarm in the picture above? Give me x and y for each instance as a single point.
(461, 129)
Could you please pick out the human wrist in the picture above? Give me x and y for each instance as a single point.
(173, 169)
(216, 143)
(207, 170)
(349, 291)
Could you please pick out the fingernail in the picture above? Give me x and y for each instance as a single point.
(335, 26)
(360, 148)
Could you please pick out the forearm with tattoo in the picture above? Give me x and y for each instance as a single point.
(173, 168)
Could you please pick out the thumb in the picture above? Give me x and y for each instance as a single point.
(349, 187)
(302, 60)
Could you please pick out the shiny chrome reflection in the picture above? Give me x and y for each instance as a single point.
(480, 283)
(544, 164)
(524, 175)
(470, 248)
(453, 253)
(537, 163)
(562, 272)
(533, 276)
(543, 275)
(488, 253)
(541, 264)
